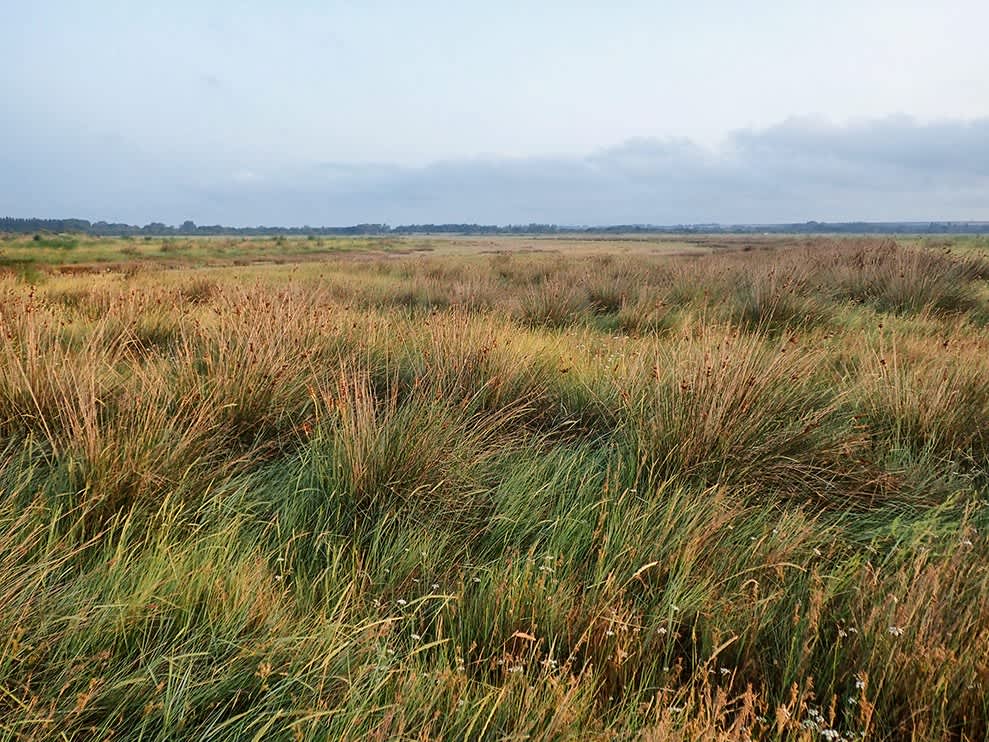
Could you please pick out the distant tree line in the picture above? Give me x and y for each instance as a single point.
(189, 228)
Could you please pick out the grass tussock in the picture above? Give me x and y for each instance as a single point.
(730, 407)
(612, 496)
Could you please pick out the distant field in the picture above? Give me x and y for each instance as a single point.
(77, 252)
(506, 488)
(71, 253)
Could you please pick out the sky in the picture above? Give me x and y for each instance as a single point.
(332, 113)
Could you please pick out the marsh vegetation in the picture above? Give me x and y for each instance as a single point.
(382, 492)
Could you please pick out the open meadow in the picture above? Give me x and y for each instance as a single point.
(677, 488)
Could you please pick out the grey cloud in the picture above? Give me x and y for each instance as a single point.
(948, 147)
(886, 169)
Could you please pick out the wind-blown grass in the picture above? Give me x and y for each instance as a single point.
(741, 496)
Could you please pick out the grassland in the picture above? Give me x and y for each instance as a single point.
(489, 489)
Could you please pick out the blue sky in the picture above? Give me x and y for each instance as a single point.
(340, 112)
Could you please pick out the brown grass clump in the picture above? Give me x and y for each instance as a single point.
(729, 407)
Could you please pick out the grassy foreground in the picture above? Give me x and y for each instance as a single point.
(734, 496)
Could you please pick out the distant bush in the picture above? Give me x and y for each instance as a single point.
(63, 242)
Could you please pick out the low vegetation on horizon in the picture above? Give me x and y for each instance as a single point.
(427, 488)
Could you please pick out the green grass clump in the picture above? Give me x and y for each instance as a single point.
(614, 495)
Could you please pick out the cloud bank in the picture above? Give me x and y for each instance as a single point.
(894, 168)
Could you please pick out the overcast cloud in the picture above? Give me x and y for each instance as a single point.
(801, 169)
(332, 112)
